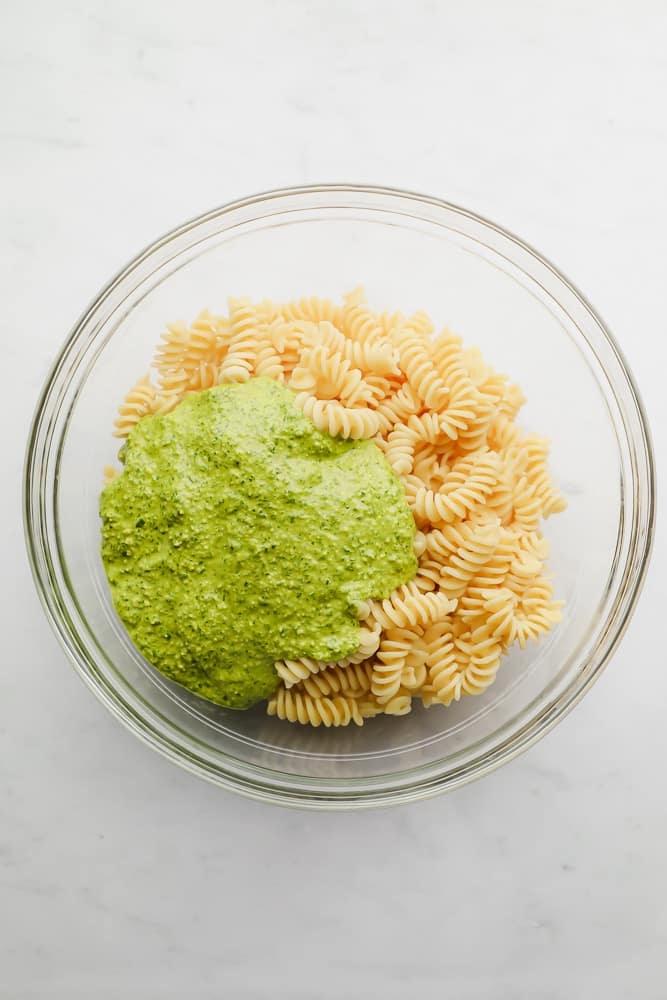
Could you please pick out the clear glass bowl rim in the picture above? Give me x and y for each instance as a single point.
(39, 507)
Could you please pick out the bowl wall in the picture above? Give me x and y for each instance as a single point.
(410, 253)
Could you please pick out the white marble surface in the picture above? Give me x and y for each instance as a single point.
(124, 877)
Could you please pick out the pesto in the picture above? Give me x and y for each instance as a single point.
(238, 534)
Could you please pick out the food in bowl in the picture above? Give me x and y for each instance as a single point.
(328, 508)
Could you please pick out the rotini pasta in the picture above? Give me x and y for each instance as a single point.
(390, 662)
(478, 487)
(244, 342)
(297, 706)
(335, 418)
(409, 607)
(421, 372)
(138, 402)
(292, 672)
(352, 680)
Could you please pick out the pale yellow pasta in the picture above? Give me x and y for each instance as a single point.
(369, 640)
(419, 544)
(137, 404)
(413, 676)
(428, 427)
(334, 418)
(190, 357)
(352, 680)
(497, 608)
(296, 706)
(166, 399)
(429, 574)
(325, 373)
(409, 607)
(477, 484)
(476, 550)
(421, 372)
(268, 312)
(390, 662)
(205, 376)
(442, 666)
(534, 543)
(483, 654)
(362, 325)
(511, 402)
(464, 399)
(369, 708)
(473, 437)
(465, 487)
(182, 349)
(395, 409)
(391, 322)
(400, 704)
(172, 353)
(372, 359)
(527, 506)
(537, 474)
(477, 368)
(244, 342)
(427, 466)
(268, 363)
(400, 450)
(292, 672)
(312, 309)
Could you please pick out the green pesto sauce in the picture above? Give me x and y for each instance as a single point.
(238, 534)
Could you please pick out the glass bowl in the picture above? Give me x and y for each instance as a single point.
(410, 252)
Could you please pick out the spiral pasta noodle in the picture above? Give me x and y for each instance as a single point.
(244, 342)
(138, 402)
(293, 672)
(390, 663)
(297, 706)
(420, 370)
(333, 417)
(352, 680)
(478, 486)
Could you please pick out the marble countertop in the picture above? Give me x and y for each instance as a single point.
(121, 876)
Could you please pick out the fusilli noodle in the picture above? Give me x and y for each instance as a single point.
(297, 706)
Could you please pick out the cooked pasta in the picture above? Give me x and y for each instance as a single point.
(390, 662)
(409, 607)
(244, 342)
(335, 418)
(138, 402)
(293, 671)
(297, 706)
(421, 371)
(352, 680)
(477, 484)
